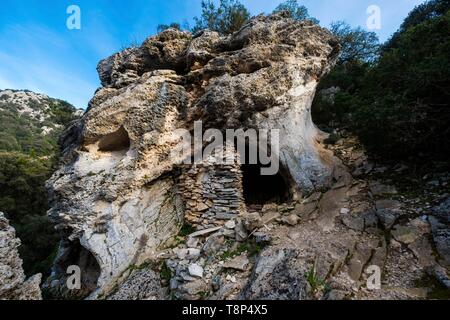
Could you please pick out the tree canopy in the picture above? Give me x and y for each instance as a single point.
(397, 101)
(229, 16)
(28, 155)
(296, 11)
(173, 25)
(356, 43)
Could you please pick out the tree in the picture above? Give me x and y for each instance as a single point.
(296, 11)
(421, 13)
(408, 92)
(356, 43)
(27, 159)
(359, 50)
(398, 101)
(163, 27)
(23, 200)
(227, 18)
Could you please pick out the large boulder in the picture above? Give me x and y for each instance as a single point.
(13, 283)
(116, 197)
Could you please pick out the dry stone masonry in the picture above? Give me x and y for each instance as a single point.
(212, 191)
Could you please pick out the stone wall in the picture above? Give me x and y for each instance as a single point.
(212, 191)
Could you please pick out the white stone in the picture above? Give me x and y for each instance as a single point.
(193, 253)
(203, 232)
(118, 195)
(195, 270)
(230, 224)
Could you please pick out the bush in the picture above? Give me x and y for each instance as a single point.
(23, 199)
(398, 103)
(226, 18)
(296, 11)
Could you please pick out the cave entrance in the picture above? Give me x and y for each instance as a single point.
(259, 189)
(74, 254)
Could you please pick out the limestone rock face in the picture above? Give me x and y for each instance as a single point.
(13, 285)
(117, 198)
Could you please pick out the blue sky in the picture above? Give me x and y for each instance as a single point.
(38, 52)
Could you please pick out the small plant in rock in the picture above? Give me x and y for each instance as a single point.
(316, 284)
(165, 273)
(186, 230)
(203, 295)
(250, 246)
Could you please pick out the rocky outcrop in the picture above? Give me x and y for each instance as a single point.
(440, 227)
(13, 284)
(120, 195)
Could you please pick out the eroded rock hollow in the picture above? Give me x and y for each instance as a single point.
(119, 196)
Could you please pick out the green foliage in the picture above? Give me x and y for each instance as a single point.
(173, 25)
(250, 246)
(23, 132)
(356, 43)
(296, 11)
(27, 159)
(404, 107)
(422, 13)
(61, 112)
(314, 281)
(23, 199)
(436, 290)
(229, 16)
(359, 50)
(165, 272)
(399, 103)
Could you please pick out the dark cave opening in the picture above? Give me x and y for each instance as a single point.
(74, 254)
(260, 189)
(115, 141)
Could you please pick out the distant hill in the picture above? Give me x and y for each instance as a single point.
(30, 124)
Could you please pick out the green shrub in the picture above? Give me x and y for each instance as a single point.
(226, 18)
(398, 104)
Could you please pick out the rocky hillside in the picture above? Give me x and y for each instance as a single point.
(30, 126)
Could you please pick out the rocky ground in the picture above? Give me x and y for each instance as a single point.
(320, 247)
